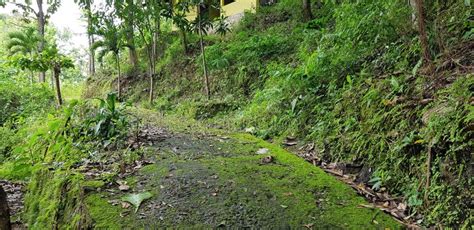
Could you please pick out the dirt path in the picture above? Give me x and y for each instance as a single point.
(206, 179)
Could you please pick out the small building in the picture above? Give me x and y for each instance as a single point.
(229, 8)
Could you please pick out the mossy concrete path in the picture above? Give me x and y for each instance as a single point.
(205, 179)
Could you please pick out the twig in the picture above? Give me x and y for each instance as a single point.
(428, 172)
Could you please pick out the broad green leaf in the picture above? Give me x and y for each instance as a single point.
(137, 199)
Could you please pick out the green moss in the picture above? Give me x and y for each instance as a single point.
(235, 190)
(154, 169)
(16, 170)
(131, 181)
(54, 200)
(105, 215)
(298, 186)
(93, 183)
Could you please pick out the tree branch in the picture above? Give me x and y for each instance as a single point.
(25, 8)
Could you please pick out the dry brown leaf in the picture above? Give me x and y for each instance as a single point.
(402, 206)
(124, 187)
(125, 205)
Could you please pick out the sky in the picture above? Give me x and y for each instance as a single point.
(68, 17)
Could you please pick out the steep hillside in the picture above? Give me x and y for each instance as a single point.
(352, 81)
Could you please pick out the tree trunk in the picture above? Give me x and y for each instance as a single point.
(154, 57)
(32, 78)
(119, 84)
(91, 56)
(4, 211)
(41, 24)
(204, 63)
(156, 36)
(307, 13)
(91, 40)
(184, 39)
(423, 35)
(52, 80)
(132, 50)
(152, 74)
(56, 74)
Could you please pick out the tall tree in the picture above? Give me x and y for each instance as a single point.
(24, 42)
(148, 21)
(423, 34)
(125, 10)
(57, 62)
(41, 16)
(178, 14)
(307, 13)
(201, 25)
(111, 42)
(87, 8)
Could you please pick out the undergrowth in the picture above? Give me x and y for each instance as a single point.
(352, 81)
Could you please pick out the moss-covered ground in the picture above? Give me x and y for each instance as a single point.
(206, 179)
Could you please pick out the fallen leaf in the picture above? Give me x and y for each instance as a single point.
(113, 202)
(137, 199)
(124, 187)
(402, 206)
(283, 206)
(121, 182)
(290, 141)
(125, 205)
(309, 226)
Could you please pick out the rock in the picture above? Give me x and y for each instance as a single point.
(4, 211)
(267, 160)
(262, 151)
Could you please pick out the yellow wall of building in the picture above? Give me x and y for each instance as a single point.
(236, 7)
(239, 6)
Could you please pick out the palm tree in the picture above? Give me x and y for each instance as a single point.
(24, 42)
(111, 43)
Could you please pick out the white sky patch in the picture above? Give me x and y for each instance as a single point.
(68, 17)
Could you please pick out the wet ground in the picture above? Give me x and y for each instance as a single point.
(207, 180)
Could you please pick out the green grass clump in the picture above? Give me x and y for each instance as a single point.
(55, 199)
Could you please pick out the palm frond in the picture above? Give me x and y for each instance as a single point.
(98, 44)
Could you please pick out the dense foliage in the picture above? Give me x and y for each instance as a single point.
(353, 81)
(359, 79)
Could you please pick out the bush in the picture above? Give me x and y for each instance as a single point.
(18, 101)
